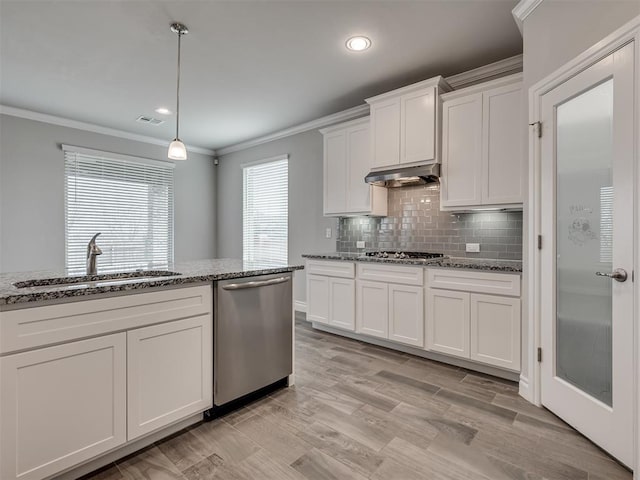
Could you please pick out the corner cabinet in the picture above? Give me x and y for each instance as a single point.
(405, 124)
(483, 130)
(347, 160)
(102, 371)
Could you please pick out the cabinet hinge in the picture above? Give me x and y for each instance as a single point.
(539, 354)
(538, 126)
(539, 242)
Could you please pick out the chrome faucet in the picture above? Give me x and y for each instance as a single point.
(93, 251)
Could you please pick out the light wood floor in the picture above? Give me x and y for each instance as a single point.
(359, 411)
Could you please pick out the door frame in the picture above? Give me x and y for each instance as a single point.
(530, 386)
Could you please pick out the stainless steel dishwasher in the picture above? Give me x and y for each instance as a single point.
(253, 335)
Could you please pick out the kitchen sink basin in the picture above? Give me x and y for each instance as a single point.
(107, 278)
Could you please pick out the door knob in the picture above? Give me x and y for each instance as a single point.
(619, 275)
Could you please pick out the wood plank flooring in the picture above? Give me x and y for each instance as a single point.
(360, 411)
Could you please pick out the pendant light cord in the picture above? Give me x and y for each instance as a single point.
(178, 89)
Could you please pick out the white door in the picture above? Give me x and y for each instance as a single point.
(418, 126)
(406, 314)
(61, 406)
(372, 312)
(587, 222)
(359, 164)
(495, 330)
(461, 180)
(342, 303)
(317, 298)
(169, 373)
(448, 322)
(385, 132)
(335, 172)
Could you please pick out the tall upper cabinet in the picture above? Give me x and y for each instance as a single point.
(483, 129)
(347, 160)
(405, 124)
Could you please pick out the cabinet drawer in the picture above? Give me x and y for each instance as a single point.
(480, 282)
(391, 273)
(38, 326)
(331, 268)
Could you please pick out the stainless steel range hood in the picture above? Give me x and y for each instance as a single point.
(404, 177)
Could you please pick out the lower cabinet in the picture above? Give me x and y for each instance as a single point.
(484, 328)
(495, 330)
(168, 367)
(62, 405)
(448, 322)
(331, 300)
(391, 311)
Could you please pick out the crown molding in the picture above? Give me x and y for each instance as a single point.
(522, 10)
(497, 69)
(90, 127)
(349, 114)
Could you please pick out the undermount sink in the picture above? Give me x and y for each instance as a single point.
(107, 278)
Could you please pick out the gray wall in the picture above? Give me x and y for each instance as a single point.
(415, 223)
(306, 222)
(32, 193)
(554, 33)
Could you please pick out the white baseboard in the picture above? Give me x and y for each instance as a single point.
(524, 390)
(301, 306)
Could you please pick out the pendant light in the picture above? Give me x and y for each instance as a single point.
(177, 150)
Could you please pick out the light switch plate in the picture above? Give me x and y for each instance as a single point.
(360, 244)
(473, 247)
(327, 232)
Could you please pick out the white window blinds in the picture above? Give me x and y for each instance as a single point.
(128, 200)
(266, 213)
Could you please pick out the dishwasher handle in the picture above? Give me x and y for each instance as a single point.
(261, 283)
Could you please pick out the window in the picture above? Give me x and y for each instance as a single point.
(129, 200)
(606, 224)
(265, 212)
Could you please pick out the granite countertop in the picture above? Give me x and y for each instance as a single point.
(504, 266)
(190, 272)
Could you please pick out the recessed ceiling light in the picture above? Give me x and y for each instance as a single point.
(358, 43)
(163, 111)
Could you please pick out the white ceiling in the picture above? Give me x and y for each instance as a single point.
(249, 67)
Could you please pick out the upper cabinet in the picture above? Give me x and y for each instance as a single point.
(482, 151)
(405, 124)
(347, 160)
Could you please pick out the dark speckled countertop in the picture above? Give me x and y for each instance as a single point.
(489, 265)
(190, 272)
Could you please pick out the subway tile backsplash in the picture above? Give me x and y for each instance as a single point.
(415, 223)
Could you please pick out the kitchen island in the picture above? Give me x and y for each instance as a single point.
(95, 368)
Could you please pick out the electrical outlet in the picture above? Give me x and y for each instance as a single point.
(473, 247)
(327, 232)
(360, 244)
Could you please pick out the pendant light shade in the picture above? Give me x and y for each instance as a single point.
(177, 150)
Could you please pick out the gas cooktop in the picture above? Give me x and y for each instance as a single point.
(403, 255)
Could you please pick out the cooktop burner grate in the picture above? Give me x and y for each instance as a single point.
(403, 255)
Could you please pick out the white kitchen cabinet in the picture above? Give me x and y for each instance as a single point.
(447, 322)
(331, 293)
(495, 330)
(62, 405)
(406, 314)
(466, 318)
(461, 179)
(405, 124)
(169, 373)
(82, 378)
(317, 298)
(482, 153)
(347, 160)
(372, 309)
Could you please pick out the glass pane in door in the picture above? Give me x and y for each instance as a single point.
(584, 234)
